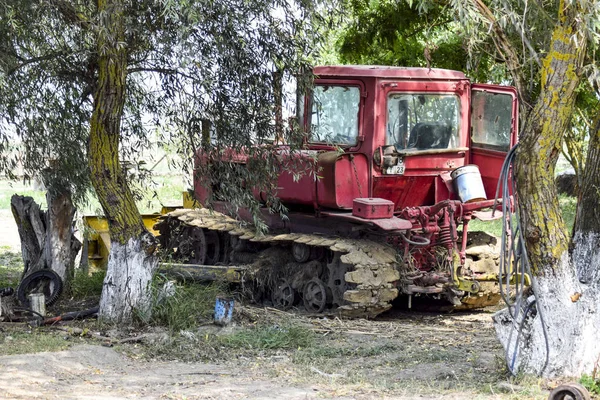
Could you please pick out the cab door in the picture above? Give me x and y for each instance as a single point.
(493, 131)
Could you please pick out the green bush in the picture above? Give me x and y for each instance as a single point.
(590, 383)
(85, 285)
(186, 307)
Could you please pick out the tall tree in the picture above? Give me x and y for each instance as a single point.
(398, 33)
(544, 47)
(105, 74)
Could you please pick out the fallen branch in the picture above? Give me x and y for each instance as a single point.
(313, 369)
(71, 316)
(277, 311)
(83, 332)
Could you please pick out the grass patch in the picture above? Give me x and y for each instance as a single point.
(591, 383)
(31, 342)
(211, 343)
(84, 285)
(270, 338)
(309, 354)
(11, 267)
(8, 188)
(186, 307)
(568, 207)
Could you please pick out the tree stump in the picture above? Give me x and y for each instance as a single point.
(47, 237)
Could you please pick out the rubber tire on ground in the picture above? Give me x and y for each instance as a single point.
(35, 277)
(573, 391)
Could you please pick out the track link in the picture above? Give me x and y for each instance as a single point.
(370, 268)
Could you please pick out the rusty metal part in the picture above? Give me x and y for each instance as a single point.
(571, 391)
(336, 272)
(301, 252)
(433, 278)
(212, 247)
(424, 289)
(283, 295)
(489, 295)
(71, 316)
(314, 295)
(197, 246)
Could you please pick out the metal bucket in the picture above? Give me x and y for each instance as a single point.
(468, 184)
(223, 310)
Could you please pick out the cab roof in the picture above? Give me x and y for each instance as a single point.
(378, 71)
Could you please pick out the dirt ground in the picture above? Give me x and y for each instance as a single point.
(401, 355)
(96, 372)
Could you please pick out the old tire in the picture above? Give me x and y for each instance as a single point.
(55, 286)
(570, 391)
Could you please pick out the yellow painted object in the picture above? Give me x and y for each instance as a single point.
(189, 201)
(98, 237)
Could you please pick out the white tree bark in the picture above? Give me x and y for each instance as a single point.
(126, 285)
(569, 305)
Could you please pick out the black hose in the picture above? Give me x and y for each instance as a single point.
(514, 251)
(423, 243)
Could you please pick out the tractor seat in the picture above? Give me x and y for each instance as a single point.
(430, 135)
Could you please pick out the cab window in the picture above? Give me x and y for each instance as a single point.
(422, 121)
(334, 116)
(491, 120)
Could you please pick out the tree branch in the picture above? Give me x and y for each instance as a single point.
(506, 49)
(33, 60)
(70, 13)
(166, 71)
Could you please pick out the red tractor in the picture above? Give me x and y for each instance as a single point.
(406, 157)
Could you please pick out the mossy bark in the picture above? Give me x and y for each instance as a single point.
(541, 143)
(556, 334)
(588, 212)
(129, 237)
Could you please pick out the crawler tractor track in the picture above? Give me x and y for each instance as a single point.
(358, 275)
(348, 277)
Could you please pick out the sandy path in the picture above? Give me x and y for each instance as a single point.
(96, 372)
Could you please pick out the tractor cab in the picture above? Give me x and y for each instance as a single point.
(398, 133)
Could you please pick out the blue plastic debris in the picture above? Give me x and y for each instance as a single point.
(223, 310)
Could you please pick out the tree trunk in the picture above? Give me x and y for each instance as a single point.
(564, 306)
(131, 263)
(31, 223)
(47, 237)
(61, 244)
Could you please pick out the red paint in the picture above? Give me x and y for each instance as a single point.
(373, 208)
(414, 184)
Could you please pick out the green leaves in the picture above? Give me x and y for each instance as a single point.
(188, 61)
